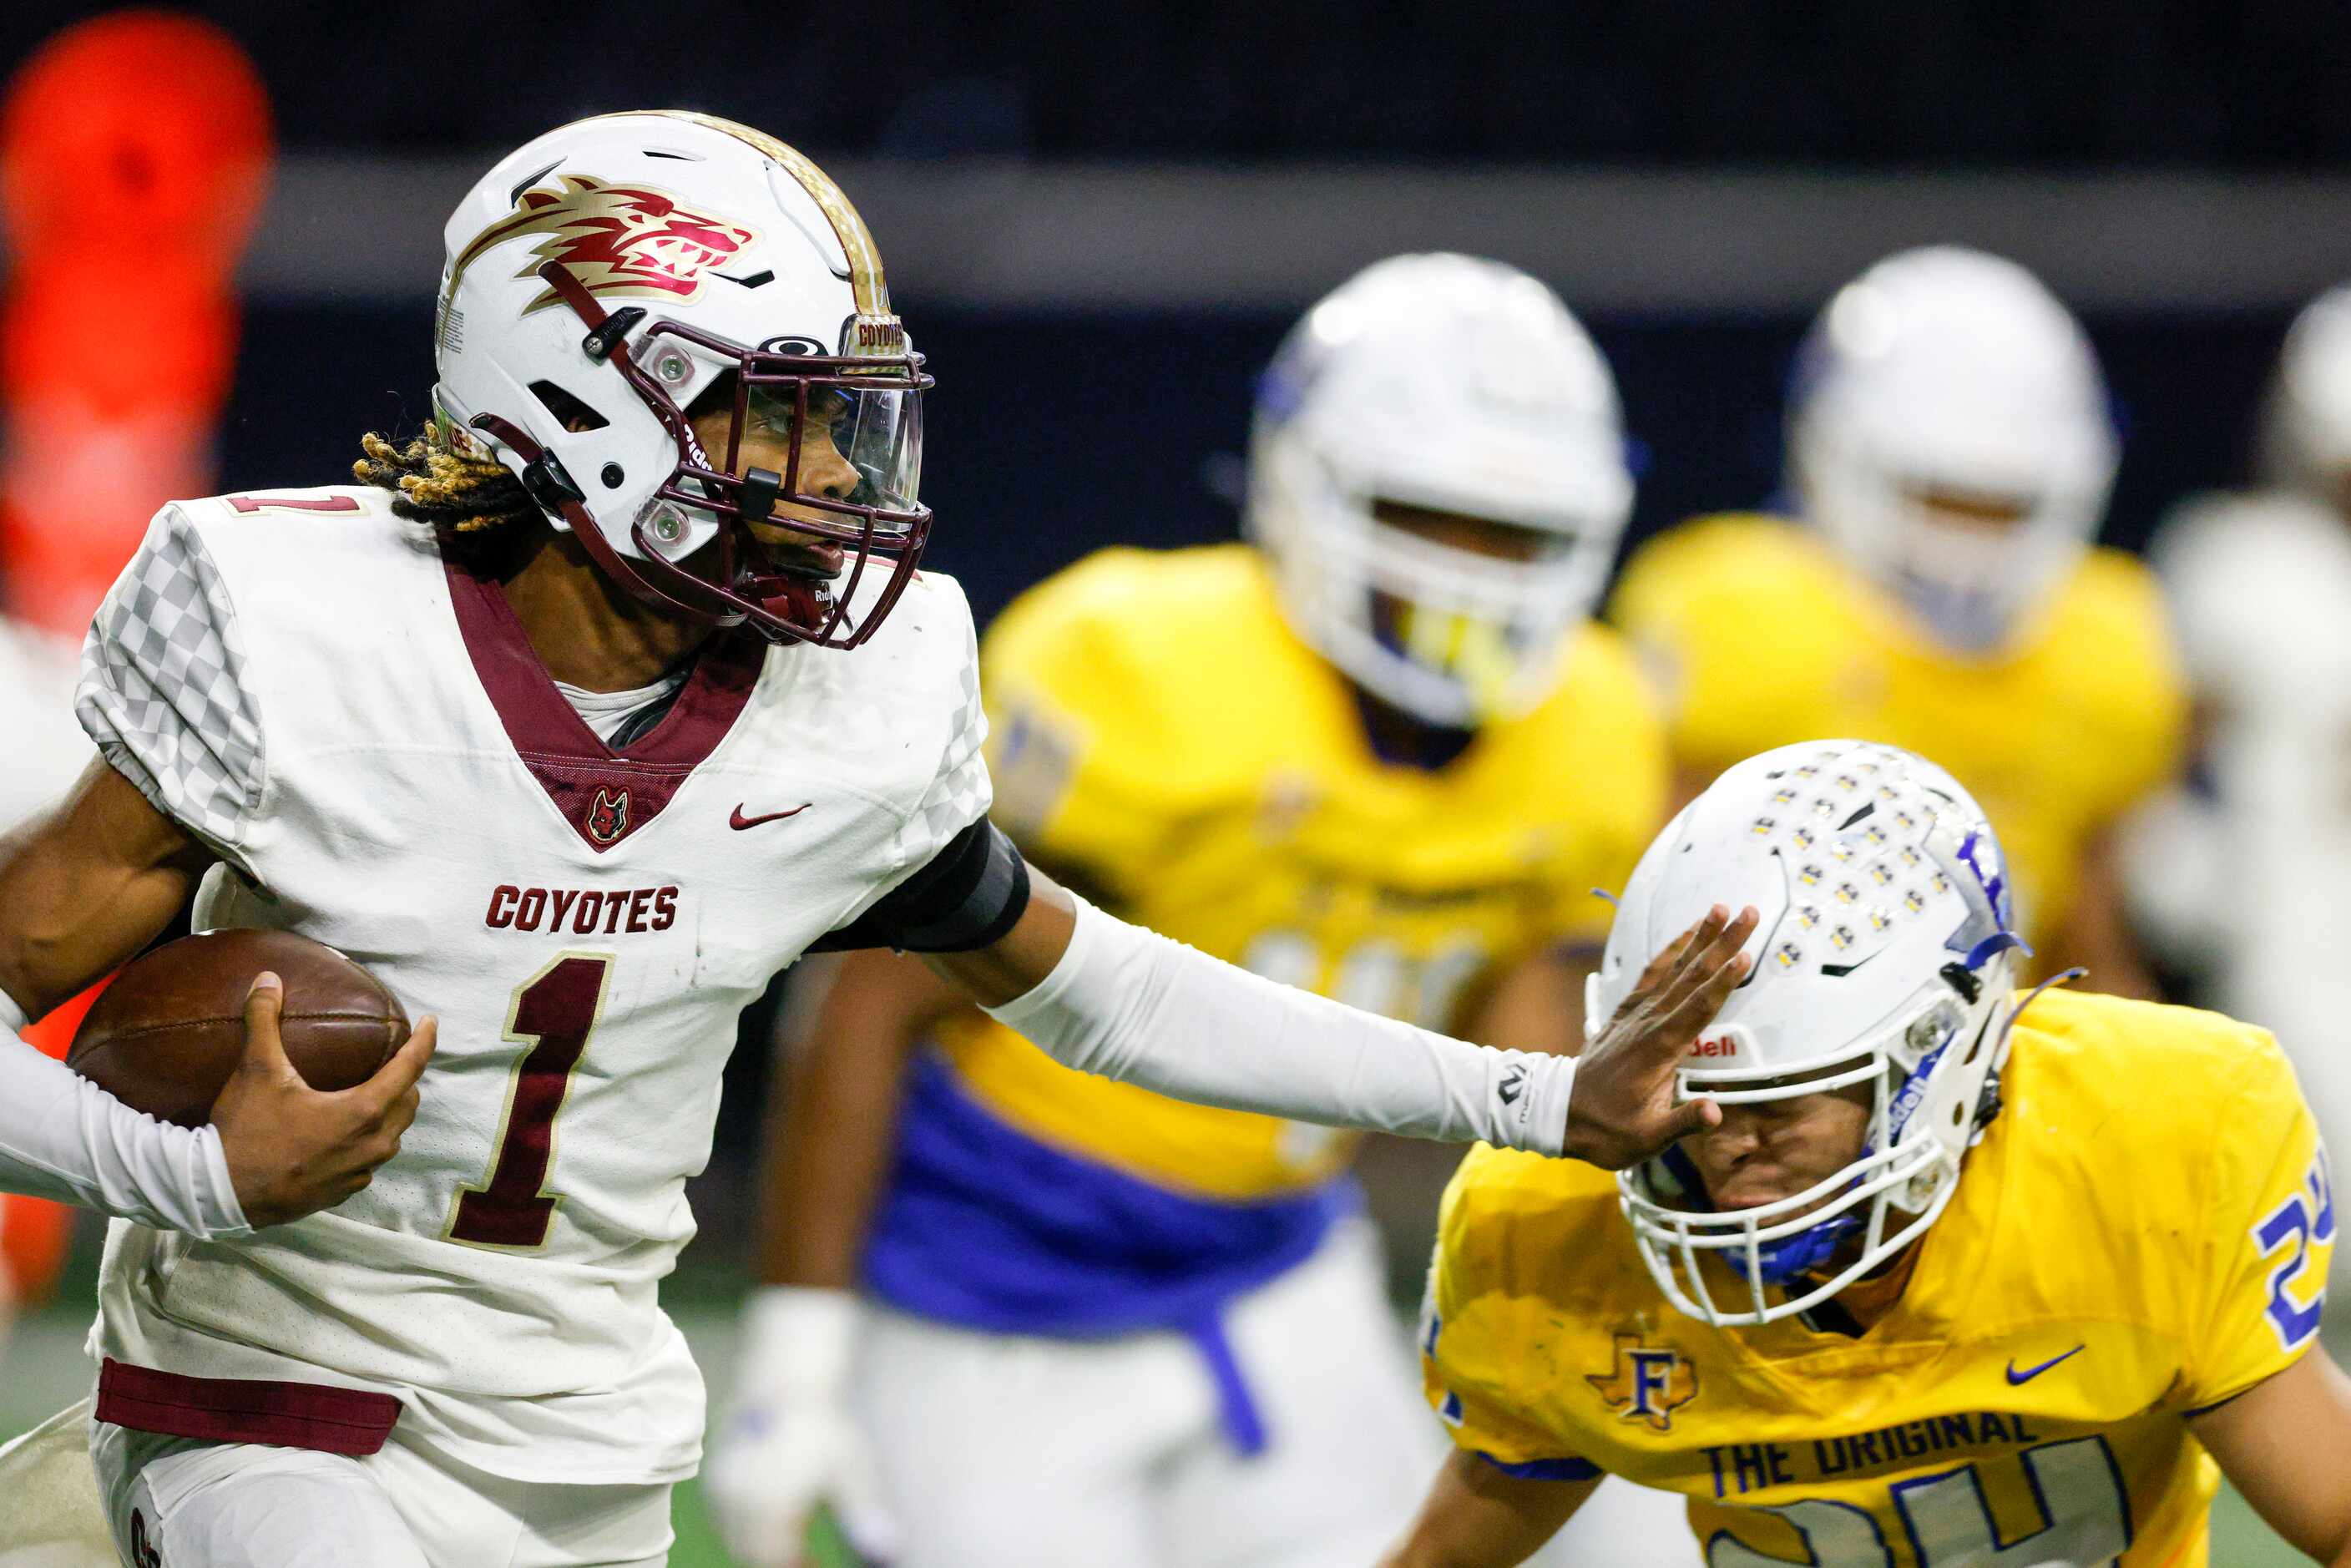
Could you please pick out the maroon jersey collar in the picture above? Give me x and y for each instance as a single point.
(605, 795)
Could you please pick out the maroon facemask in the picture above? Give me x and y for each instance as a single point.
(875, 429)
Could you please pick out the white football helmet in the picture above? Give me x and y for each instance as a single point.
(1458, 385)
(603, 278)
(1947, 373)
(1887, 955)
(2305, 437)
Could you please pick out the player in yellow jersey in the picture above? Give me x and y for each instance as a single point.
(1963, 1277)
(1383, 756)
(1950, 451)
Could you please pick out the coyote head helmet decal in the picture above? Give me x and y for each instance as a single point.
(616, 239)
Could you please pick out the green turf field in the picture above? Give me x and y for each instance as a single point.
(45, 1371)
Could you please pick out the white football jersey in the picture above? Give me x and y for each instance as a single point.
(2251, 870)
(363, 734)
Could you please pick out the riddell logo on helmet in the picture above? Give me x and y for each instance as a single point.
(1714, 1048)
(616, 239)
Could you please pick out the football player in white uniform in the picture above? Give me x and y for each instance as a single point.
(553, 722)
(2247, 869)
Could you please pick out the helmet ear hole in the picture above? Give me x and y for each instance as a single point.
(569, 412)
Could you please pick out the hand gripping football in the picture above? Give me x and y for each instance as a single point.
(165, 1036)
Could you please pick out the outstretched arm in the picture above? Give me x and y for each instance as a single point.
(1478, 1515)
(83, 888)
(2285, 1443)
(1104, 997)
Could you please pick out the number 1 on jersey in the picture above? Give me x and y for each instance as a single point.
(553, 1012)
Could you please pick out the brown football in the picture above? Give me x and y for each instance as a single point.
(164, 1036)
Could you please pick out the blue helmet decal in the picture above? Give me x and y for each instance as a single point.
(1281, 386)
(1994, 881)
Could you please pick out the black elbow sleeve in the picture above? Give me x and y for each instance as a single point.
(970, 895)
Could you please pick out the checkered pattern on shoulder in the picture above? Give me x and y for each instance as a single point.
(163, 688)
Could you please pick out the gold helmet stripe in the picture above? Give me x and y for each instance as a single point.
(865, 280)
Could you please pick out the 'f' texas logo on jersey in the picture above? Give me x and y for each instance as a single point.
(615, 239)
(1646, 1384)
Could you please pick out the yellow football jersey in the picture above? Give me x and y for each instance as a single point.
(1160, 735)
(2144, 1232)
(1758, 637)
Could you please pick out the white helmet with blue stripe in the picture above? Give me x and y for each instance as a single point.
(1447, 384)
(1942, 381)
(1887, 955)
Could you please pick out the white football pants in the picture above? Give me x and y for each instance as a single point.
(174, 1503)
(1005, 1451)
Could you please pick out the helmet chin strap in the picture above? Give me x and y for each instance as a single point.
(1781, 1261)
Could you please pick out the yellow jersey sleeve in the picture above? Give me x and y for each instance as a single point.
(1624, 780)
(1077, 746)
(1731, 621)
(2269, 1238)
(2113, 646)
(1472, 1358)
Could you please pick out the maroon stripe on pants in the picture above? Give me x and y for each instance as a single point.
(245, 1410)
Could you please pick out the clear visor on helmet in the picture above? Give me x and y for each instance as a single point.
(853, 441)
(820, 462)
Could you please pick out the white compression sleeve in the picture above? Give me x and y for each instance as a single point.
(1128, 1003)
(62, 1136)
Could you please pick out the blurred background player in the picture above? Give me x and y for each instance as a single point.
(1380, 754)
(1965, 1273)
(1950, 449)
(2244, 874)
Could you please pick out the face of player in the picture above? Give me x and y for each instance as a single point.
(768, 443)
(1772, 1150)
(1456, 530)
(1980, 515)
(1471, 646)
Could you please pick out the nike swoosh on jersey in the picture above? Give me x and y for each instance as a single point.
(739, 821)
(2029, 1373)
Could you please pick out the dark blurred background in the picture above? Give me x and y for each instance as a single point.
(1098, 219)
(1990, 84)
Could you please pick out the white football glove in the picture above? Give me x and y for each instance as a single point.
(790, 1444)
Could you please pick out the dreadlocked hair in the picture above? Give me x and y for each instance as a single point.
(477, 509)
(455, 494)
